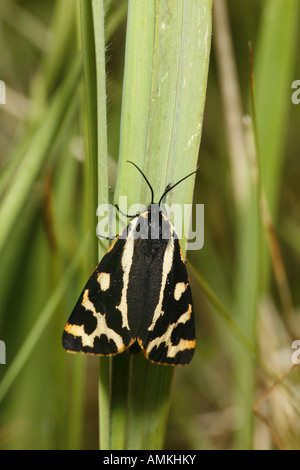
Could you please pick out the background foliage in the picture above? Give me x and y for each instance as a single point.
(241, 389)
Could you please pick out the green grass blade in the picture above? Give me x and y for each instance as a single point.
(90, 122)
(93, 41)
(136, 95)
(148, 404)
(166, 64)
(102, 172)
(102, 157)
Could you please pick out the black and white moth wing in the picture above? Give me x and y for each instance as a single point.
(139, 292)
(99, 321)
(167, 332)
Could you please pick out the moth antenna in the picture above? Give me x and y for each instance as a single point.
(152, 192)
(171, 187)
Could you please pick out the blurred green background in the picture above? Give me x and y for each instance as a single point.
(241, 390)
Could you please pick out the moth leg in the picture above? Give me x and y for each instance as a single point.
(126, 215)
(123, 213)
(106, 238)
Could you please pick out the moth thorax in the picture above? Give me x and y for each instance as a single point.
(158, 224)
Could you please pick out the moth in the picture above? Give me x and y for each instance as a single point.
(139, 295)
